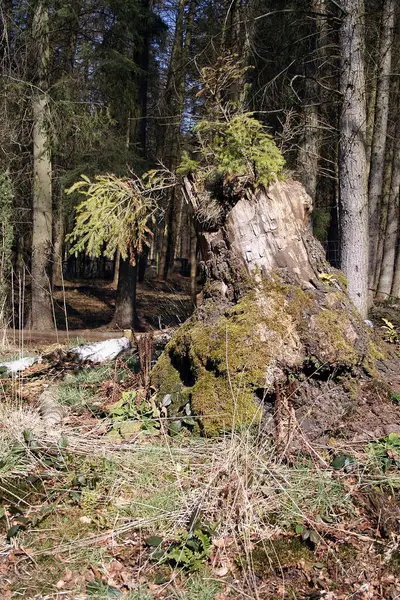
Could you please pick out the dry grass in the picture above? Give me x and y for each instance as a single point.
(155, 485)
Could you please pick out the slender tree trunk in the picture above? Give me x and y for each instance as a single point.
(170, 138)
(395, 292)
(42, 316)
(125, 305)
(142, 264)
(193, 264)
(309, 150)
(175, 225)
(387, 180)
(371, 101)
(352, 162)
(125, 315)
(309, 147)
(117, 263)
(375, 186)
(389, 252)
(58, 240)
(162, 265)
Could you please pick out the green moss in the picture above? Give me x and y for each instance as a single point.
(222, 357)
(347, 554)
(369, 364)
(341, 279)
(164, 377)
(352, 386)
(221, 407)
(331, 326)
(395, 560)
(279, 554)
(298, 303)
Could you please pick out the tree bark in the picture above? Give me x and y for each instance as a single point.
(175, 227)
(310, 145)
(387, 180)
(193, 264)
(169, 143)
(352, 161)
(395, 292)
(125, 316)
(117, 262)
(390, 242)
(58, 240)
(42, 316)
(125, 305)
(375, 186)
(272, 310)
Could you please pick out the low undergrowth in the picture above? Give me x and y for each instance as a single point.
(150, 515)
(184, 517)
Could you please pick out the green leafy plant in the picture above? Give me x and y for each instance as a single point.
(132, 407)
(100, 589)
(391, 333)
(189, 551)
(342, 461)
(396, 397)
(387, 451)
(307, 534)
(187, 165)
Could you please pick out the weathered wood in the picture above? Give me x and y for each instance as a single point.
(274, 325)
(265, 231)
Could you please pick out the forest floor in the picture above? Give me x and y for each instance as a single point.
(107, 504)
(90, 304)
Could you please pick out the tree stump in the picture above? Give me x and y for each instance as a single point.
(276, 340)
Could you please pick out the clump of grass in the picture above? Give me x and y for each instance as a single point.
(78, 389)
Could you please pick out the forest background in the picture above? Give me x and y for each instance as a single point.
(114, 87)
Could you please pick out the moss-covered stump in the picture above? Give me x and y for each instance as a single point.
(230, 364)
(276, 338)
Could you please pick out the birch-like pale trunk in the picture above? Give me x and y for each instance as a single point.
(42, 316)
(352, 159)
(376, 173)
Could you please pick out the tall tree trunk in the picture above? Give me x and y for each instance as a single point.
(309, 150)
(42, 316)
(58, 240)
(125, 306)
(117, 260)
(170, 139)
(310, 145)
(375, 186)
(389, 251)
(395, 292)
(193, 264)
(175, 225)
(352, 162)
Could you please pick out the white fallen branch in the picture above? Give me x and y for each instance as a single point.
(95, 353)
(15, 366)
(101, 351)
